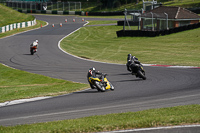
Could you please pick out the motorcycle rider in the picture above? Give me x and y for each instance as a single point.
(34, 44)
(132, 62)
(93, 73)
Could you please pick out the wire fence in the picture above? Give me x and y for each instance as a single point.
(33, 5)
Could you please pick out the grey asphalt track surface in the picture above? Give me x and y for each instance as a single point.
(164, 87)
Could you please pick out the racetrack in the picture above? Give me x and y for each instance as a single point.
(164, 87)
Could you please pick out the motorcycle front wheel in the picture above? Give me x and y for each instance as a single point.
(141, 75)
(100, 86)
(111, 87)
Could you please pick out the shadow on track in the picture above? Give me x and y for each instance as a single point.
(130, 80)
(91, 91)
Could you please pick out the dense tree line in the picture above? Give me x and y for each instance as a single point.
(115, 3)
(105, 3)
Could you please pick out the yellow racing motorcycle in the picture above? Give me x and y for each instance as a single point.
(101, 83)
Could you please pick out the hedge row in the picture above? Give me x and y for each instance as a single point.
(131, 23)
(105, 13)
(139, 33)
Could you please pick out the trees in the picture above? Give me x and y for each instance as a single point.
(114, 3)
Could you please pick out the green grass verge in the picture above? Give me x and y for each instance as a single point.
(114, 17)
(101, 43)
(102, 22)
(17, 84)
(180, 115)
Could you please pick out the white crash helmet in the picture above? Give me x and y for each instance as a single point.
(93, 69)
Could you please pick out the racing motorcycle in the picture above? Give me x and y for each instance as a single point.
(101, 83)
(138, 71)
(33, 50)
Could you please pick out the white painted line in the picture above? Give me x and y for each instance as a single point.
(8, 66)
(77, 56)
(86, 23)
(153, 65)
(153, 128)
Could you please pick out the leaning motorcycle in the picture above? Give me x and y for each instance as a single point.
(101, 83)
(33, 50)
(138, 71)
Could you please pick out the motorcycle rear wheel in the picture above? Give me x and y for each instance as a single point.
(100, 86)
(32, 52)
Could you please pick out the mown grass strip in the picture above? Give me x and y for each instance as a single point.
(180, 115)
(101, 43)
(102, 22)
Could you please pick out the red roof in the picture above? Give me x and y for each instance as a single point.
(172, 12)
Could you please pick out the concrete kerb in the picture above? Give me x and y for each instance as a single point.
(21, 101)
(8, 103)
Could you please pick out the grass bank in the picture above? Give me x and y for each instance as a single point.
(181, 115)
(9, 16)
(15, 31)
(101, 41)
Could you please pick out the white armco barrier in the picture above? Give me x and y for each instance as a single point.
(17, 25)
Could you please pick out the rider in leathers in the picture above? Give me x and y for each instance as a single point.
(132, 62)
(34, 44)
(93, 73)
